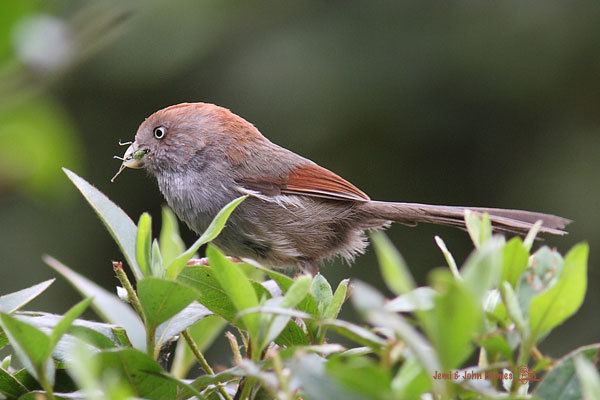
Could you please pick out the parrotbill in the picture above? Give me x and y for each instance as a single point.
(298, 214)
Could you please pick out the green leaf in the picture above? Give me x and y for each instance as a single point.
(204, 381)
(31, 345)
(419, 299)
(483, 268)
(10, 386)
(237, 287)
(213, 230)
(67, 320)
(83, 366)
(315, 384)
(107, 305)
(515, 257)
(97, 333)
(332, 311)
(531, 235)
(143, 252)
(161, 299)
(157, 266)
(513, 309)
(171, 244)
(11, 302)
(119, 225)
(277, 323)
(211, 294)
(298, 291)
(557, 303)
(321, 289)
(589, 379)
(561, 382)
(360, 375)
(454, 321)
(448, 256)
(3, 339)
(496, 346)
(181, 321)
(204, 333)
(292, 335)
(411, 381)
(395, 272)
(370, 303)
(479, 227)
(141, 372)
(356, 333)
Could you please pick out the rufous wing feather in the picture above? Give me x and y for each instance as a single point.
(314, 180)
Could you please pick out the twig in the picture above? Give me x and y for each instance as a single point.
(133, 299)
(235, 348)
(203, 363)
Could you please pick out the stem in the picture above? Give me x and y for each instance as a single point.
(45, 385)
(137, 306)
(150, 342)
(133, 299)
(522, 360)
(282, 377)
(203, 363)
(235, 348)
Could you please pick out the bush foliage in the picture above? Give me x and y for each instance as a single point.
(472, 333)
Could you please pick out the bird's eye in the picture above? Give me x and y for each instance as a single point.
(160, 132)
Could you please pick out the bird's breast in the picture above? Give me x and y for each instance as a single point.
(196, 198)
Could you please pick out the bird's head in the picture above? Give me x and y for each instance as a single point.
(170, 138)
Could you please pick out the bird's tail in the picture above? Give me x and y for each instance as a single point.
(509, 221)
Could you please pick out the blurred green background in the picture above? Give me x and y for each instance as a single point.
(466, 103)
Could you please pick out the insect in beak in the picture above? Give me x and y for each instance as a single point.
(131, 159)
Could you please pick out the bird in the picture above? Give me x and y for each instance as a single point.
(298, 214)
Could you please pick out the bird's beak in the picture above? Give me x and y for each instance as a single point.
(133, 158)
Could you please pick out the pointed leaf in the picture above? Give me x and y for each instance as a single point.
(332, 311)
(107, 305)
(321, 289)
(419, 299)
(561, 382)
(10, 386)
(483, 268)
(236, 285)
(213, 230)
(99, 334)
(157, 266)
(31, 345)
(211, 294)
(589, 379)
(395, 272)
(316, 385)
(119, 225)
(356, 333)
(171, 244)
(143, 252)
(13, 301)
(161, 299)
(456, 316)
(553, 306)
(67, 320)
(479, 227)
(515, 259)
(140, 371)
(184, 319)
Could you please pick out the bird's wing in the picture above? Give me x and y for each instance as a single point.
(308, 180)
